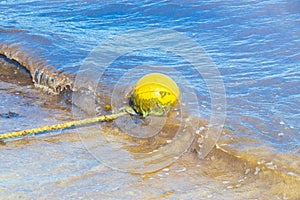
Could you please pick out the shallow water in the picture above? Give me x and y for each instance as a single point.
(255, 46)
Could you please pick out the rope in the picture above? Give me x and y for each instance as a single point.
(102, 118)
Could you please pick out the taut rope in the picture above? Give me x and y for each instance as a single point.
(126, 110)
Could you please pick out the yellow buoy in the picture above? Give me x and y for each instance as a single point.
(154, 94)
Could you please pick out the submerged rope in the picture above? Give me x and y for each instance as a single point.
(102, 118)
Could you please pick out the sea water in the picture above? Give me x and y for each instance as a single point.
(253, 44)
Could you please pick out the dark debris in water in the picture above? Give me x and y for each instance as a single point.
(9, 115)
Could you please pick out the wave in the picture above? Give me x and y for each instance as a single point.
(43, 75)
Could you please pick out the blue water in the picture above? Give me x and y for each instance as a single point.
(254, 44)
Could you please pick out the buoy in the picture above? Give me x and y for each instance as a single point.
(154, 94)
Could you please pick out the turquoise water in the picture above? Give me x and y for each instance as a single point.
(253, 44)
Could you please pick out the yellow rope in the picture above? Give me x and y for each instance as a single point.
(127, 110)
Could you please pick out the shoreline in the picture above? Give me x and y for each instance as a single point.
(253, 163)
